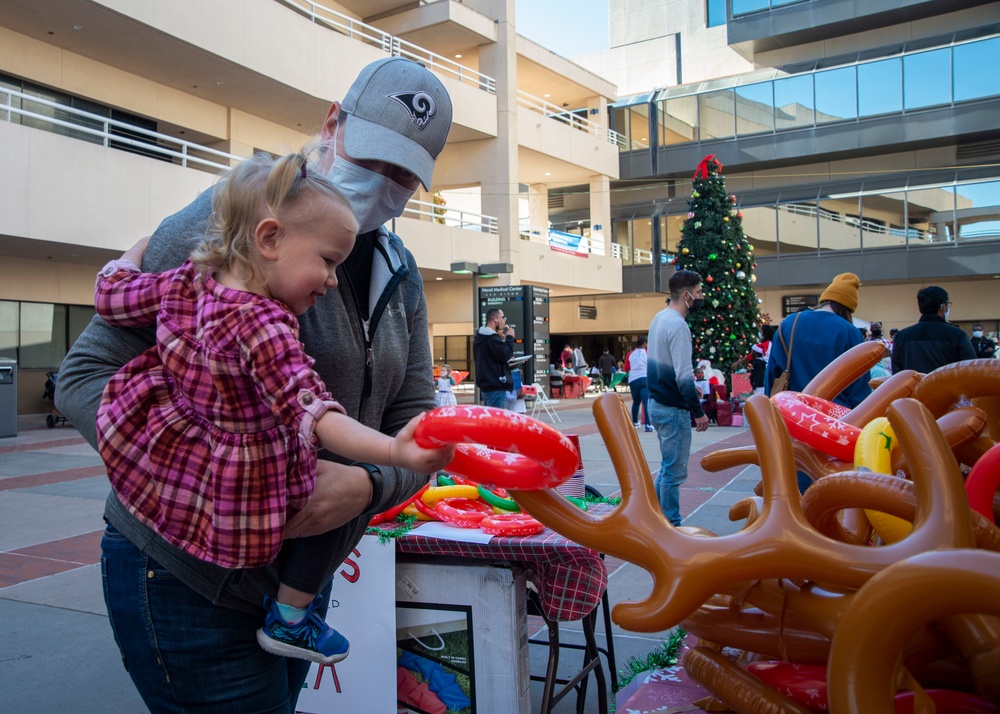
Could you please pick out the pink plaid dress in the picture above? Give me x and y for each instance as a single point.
(209, 436)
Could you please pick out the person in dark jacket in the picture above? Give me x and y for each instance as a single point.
(932, 342)
(984, 347)
(492, 347)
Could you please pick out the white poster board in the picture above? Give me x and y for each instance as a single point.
(365, 588)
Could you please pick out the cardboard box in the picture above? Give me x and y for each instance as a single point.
(465, 624)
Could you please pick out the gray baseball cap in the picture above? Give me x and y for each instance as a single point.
(400, 113)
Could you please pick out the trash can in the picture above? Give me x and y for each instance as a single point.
(8, 397)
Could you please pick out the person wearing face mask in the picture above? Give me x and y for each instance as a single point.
(984, 347)
(816, 338)
(884, 366)
(378, 145)
(931, 342)
(674, 399)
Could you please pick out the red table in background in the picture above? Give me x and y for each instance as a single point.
(574, 385)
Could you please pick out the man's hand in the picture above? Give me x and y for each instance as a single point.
(701, 423)
(341, 493)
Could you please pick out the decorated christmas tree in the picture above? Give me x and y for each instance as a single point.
(713, 245)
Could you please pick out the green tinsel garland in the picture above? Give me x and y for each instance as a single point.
(663, 656)
(405, 524)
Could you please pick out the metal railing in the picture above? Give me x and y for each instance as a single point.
(570, 118)
(466, 220)
(108, 132)
(394, 46)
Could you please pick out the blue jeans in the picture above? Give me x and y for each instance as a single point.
(493, 399)
(640, 395)
(183, 653)
(673, 428)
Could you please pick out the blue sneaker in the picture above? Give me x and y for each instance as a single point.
(310, 639)
(649, 427)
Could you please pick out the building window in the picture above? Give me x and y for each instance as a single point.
(38, 334)
(716, 11)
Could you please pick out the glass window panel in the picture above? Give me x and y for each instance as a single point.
(976, 74)
(716, 112)
(927, 79)
(754, 108)
(623, 241)
(839, 224)
(79, 318)
(716, 12)
(930, 212)
(9, 327)
(674, 224)
(977, 208)
(680, 120)
(796, 227)
(836, 95)
(760, 226)
(638, 126)
(879, 88)
(793, 102)
(883, 220)
(742, 7)
(642, 241)
(43, 335)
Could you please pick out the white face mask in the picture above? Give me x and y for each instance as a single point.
(977, 333)
(947, 312)
(374, 198)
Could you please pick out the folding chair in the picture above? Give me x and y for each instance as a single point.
(541, 400)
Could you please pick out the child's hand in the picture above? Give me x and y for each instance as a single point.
(135, 253)
(405, 453)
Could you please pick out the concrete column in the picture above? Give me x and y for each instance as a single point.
(600, 214)
(499, 166)
(538, 205)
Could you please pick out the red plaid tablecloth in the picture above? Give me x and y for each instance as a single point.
(570, 578)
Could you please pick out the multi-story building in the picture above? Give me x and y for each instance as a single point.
(115, 114)
(856, 137)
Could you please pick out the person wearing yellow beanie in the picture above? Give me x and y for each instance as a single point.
(815, 338)
(843, 290)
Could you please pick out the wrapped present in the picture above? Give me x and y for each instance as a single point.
(740, 384)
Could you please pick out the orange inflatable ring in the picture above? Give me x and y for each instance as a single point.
(816, 422)
(983, 481)
(499, 447)
(511, 524)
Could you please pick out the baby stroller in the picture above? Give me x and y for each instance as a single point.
(50, 393)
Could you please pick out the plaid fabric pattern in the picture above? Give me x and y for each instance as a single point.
(208, 437)
(570, 578)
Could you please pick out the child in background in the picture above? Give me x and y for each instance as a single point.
(210, 437)
(445, 397)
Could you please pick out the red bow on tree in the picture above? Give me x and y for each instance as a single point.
(702, 170)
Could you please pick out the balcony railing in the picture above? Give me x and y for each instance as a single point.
(393, 46)
(570, 118)
(466, 220)
(29, 110)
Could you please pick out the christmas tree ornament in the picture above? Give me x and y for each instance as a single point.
(697, 224)
(685, 251)
(712, 256)
(710, 279)
(740, 275)
(725, 219)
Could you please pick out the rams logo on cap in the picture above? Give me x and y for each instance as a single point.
(420, 106)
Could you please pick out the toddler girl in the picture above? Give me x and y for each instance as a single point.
(445, 397)
(210, 437)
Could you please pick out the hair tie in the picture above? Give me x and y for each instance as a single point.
(302, 170)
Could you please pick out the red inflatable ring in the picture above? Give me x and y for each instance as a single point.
(816, 422)
(983, 481)
(511, 524)
(499, 447)
(462, 512)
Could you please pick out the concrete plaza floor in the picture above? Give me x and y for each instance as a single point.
(58, 653)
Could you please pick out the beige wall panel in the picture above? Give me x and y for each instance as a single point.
(30, 59)
(436, 246)
(450, 302)
(66, 283)
(563, 142)
(82, 194)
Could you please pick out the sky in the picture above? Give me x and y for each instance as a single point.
(567, 27)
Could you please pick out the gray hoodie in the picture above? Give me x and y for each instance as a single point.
(379, 370)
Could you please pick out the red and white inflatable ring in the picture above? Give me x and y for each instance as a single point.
(816, 422)
(511, 524)
(499, 447)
